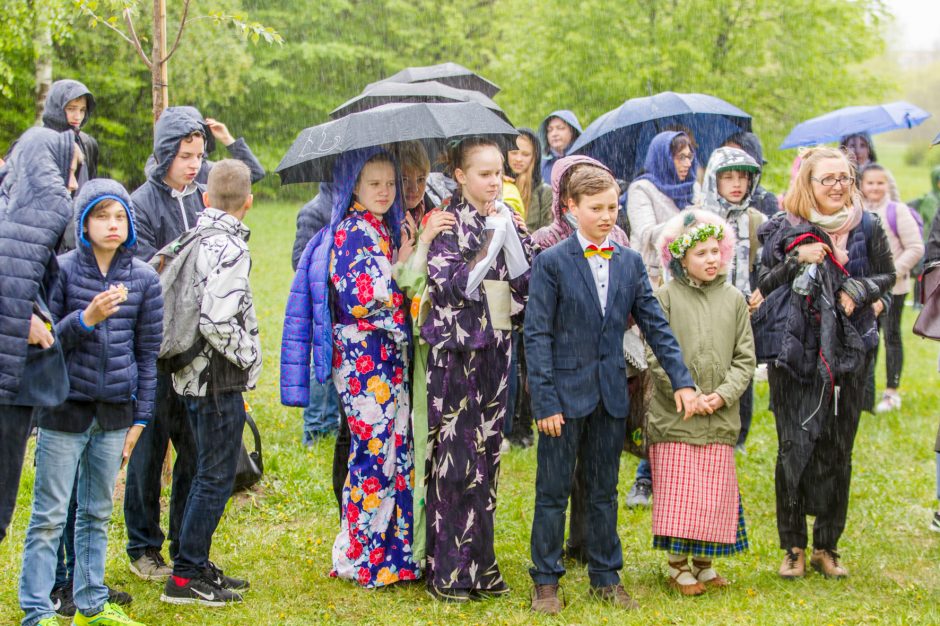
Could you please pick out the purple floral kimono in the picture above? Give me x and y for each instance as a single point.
(468, 370)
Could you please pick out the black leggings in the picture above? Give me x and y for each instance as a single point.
(894, 348)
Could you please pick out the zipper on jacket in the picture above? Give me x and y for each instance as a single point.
(183, 212)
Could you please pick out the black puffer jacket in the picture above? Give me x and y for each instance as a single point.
(115, 361)
(163, 214)
(35, 209)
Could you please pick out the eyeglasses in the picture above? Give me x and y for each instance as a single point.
(831, 181)
(685, 158)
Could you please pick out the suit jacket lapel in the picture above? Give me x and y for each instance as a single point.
(613, 284)
(574, 248)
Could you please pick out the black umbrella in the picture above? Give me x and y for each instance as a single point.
(450, 74)
(431, 91)
(620, 138)
(311, 156)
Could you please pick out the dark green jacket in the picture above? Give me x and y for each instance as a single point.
(712, 326)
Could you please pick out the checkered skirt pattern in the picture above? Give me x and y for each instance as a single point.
(695, 492)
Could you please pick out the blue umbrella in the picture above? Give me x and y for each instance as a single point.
(851, 120)
(620, 138)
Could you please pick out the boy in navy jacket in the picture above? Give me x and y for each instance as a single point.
(109, 317)
(581, 295)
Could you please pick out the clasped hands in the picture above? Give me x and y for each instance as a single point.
(687, 399)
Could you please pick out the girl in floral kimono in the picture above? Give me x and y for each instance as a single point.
(370, 336)
(478, 278)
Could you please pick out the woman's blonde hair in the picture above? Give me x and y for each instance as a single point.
(800, 199)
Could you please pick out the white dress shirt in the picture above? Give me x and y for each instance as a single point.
(600, 269)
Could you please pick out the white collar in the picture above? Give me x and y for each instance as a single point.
(585, 243)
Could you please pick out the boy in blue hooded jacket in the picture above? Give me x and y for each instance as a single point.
(108, 310)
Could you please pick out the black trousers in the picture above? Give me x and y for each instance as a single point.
(894, 347)
(15, 423)
(823, 485)
(341, 459)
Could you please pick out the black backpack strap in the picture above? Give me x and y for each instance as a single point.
(250, 422)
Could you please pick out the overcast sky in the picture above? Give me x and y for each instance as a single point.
(917, 22)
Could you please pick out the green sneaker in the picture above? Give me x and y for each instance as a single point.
(49, 621)
(112, 615)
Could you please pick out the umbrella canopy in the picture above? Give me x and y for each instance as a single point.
(620, 138)
(381, 93)
(858, 119)
(311, 156)
(451, 74)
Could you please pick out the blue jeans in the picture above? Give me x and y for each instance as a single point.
(97, 456)
(145, 469)
(644, 471)
(322, 414)
(217, 422)
(65, 556)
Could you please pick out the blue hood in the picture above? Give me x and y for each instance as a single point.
(174, 124)
(93, 192)
(194, 113)
(345, 172)
(569, 118)
(61, 93)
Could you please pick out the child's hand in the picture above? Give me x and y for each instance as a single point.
(519, 222)
(713, 401)
(39, 333)
(130, 440)
(551, 425)
(878, 307)
(103, 306)
(437, 222)
(220, 131)
(686, 399)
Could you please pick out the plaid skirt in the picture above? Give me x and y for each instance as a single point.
(705, 549)
(695, 492)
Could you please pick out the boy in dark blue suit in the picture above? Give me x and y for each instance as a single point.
(581, 296)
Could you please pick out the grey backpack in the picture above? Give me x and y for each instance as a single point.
(182, 304)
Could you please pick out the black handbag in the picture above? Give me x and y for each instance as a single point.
(250, 467)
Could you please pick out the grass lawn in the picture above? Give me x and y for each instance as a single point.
(279, 536)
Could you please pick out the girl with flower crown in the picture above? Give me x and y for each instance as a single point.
(697, 510)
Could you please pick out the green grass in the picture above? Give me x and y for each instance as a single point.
(279, 536)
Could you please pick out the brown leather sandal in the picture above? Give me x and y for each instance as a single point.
(682, 567)
(717, 582)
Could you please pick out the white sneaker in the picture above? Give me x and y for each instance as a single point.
(504, 446)
(889, 402)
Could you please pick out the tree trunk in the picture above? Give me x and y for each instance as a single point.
(42, 42)
(158, 71)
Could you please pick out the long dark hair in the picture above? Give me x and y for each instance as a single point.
(529, 134)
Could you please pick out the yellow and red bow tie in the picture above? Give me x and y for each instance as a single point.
(591, 250)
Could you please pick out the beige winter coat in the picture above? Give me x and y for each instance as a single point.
(907, 245)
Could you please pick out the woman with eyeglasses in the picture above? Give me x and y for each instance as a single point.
(826, 263)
